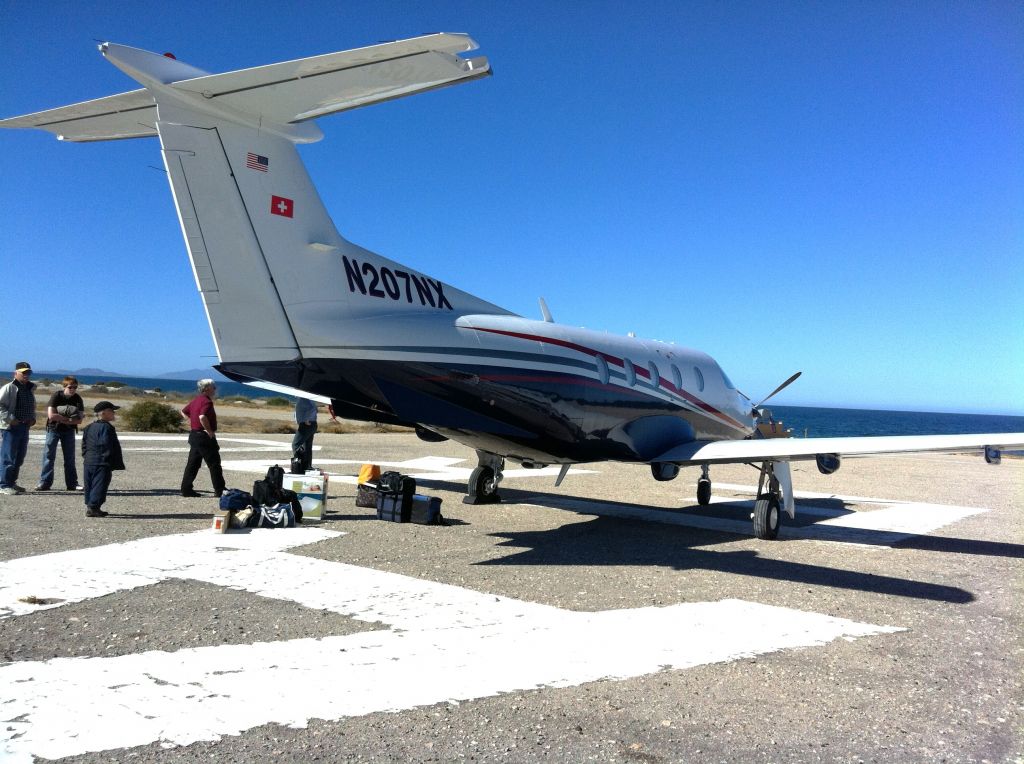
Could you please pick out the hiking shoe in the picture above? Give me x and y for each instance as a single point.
(76, 487)
(8, 492)
(17, 488)
(191, 494)
(41, 487)
(90, 512)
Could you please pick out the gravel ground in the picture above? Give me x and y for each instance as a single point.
(950, 687)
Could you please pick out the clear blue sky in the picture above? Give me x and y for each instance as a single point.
(832, 187)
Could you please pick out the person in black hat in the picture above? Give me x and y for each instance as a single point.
(101, 455)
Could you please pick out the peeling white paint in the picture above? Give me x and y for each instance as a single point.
(443, 643)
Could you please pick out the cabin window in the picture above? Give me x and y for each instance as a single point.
(602, 370)
(700, 379)
(630, 372)
(655, 377)
(677, 377)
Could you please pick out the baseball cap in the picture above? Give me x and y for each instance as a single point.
(23, 366)
(103, 406)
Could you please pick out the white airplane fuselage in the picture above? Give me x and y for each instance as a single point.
(533, 391)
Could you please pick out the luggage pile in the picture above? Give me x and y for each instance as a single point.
(268, 506)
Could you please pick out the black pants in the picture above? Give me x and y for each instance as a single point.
(97, 480)
(202, 448)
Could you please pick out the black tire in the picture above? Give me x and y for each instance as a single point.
(482, 488)
(767, 517)
(703, 492)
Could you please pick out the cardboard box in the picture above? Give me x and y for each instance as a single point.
(311, 489)
(221, 521)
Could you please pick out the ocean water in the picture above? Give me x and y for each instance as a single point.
(225, 389)
(805, 421)
(812, 422)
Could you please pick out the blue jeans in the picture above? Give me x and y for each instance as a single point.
(12, 453)
(66, 439)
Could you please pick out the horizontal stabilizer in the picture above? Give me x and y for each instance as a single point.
(284, 93)
(126, 115)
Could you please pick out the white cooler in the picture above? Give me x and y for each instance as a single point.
(312, 492)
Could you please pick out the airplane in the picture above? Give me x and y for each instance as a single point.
(294, 307)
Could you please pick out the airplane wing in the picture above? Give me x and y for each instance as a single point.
(284, 93)
(797, 449)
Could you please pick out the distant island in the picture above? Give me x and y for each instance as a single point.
(192, 374)
(87, 371)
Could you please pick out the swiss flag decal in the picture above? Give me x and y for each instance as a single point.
(282, 206)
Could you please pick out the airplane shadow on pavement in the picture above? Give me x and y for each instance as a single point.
(601, 541)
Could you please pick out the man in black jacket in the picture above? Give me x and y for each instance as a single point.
(101, 455)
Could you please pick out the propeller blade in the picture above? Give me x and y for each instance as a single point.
(779, 389)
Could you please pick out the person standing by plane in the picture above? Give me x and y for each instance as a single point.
(101, 455)
(17, 415)
(202, 440)
(64, 412)
(302, 443)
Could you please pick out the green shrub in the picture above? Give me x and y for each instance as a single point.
(152, 416)
(278, 401)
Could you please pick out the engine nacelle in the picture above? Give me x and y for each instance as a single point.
(663, 471)
(827, 463)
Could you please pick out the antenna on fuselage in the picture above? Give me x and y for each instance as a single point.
(544, 312)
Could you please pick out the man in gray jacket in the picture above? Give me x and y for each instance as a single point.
(17, 415)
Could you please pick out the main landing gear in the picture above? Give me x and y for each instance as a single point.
(774, 492)
(483, 483)
(774, 496)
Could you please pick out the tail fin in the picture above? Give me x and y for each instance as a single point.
(277, 280)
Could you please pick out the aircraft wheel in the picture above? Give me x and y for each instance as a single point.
(483, 488)
(766, 517)
(703, 492)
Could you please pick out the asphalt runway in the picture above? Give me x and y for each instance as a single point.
(609, 619)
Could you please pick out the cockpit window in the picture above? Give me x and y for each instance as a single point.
(725, 378)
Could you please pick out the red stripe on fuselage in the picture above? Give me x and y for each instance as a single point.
(639, 370)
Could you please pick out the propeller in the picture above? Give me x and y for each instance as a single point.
(778, 389)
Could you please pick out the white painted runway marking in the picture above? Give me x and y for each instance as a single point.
(129, 440)
(444, 643)
(440, 468)
(877, 528)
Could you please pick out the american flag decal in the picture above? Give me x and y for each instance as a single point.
(256, 162)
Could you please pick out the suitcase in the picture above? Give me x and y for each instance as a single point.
(393, 507)
(425, 510)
